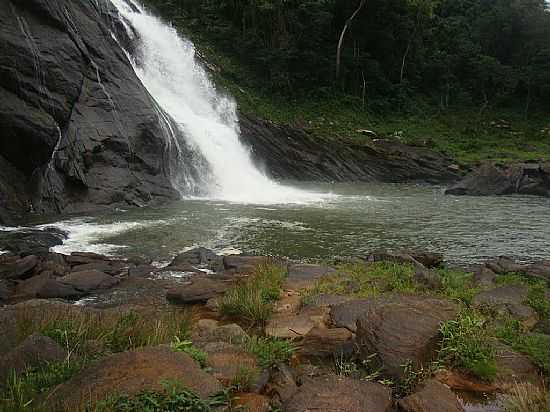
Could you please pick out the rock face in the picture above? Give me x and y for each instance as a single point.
(336, 394)
(403, 329)
(79, 130)
(492, 179)
(289, 153)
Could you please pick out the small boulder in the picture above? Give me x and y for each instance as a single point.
(345, 315)
(539, 270)
(385, 255)
(197, 257)
(503, 265)
(306, 275)
(199, 290)
(428, 259)
(427, 278)
(141, 270)
(484, 276)
(232, 365)
(514, 367)
(325, 342)
(89, 280)
(46, 286)
(403, 329)
(432, 396)
(130, 373)
(339, 394)
(34, 351)
(208, 330)
(20, 268)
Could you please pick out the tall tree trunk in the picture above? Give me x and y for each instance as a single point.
(343, 34)
(409, 44)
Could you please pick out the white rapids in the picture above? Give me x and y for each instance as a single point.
(167, 67)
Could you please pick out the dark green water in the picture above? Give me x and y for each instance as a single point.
(358, 218)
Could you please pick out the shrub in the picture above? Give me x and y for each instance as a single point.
(467, 344)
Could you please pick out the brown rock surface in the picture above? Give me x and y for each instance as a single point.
(338, 394)
(432, 396)
(403, 329)
(130, 373)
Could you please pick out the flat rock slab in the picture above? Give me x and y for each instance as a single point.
(339, 394)
(403, 329)
(432, 396)
(514, 367)
(230, 363)
(306, 275)
(199, 290)
(287, 326)
(18, 268)
(325, 342)
(539, 270)
(130, 373)
(34, 351)
(89, 280)
(506, 294)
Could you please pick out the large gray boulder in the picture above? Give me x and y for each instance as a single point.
(79, 130)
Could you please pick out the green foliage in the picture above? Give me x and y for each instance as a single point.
(269, 351)
(360, 280)
(21, 391)
(457, 285)
(448, 52)
(111, 331)
(467, 344)
(172, 398)
(536, 346)
(186, 346)
(252, 299)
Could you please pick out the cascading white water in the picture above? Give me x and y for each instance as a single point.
(168, 69)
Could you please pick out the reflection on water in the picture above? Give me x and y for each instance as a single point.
(361, 217)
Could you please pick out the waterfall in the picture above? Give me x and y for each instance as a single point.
(166, 65)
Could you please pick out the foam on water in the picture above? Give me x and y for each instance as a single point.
(181, 86)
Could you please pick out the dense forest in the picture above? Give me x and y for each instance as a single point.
(465, 53)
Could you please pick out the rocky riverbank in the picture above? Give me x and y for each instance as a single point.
(389, 331)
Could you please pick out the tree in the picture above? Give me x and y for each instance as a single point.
(342, 35)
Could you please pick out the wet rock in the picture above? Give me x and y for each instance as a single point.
(325, 342)
(403, 329)
(142, 270)
(461, 382)
(432, 396)
(251, 402)
(31, 241)
(492, 179)
(130, 373)
(199, 257)
(339, 394)
(231, 365)
(427, 278)
(20, 268)
(503, 265)
(345, 315)
(243, 264)
(89, 280)
(290, 153)
(82, 258)
(112, 268)
(539, 270)
(306, 275)
(46, 286)
(428, 259)
(385, 255)
(34, 351)
(199, 290)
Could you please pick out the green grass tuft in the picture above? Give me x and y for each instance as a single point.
(466, 344)
(252, 299)
(186, 346)
(269, 351)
